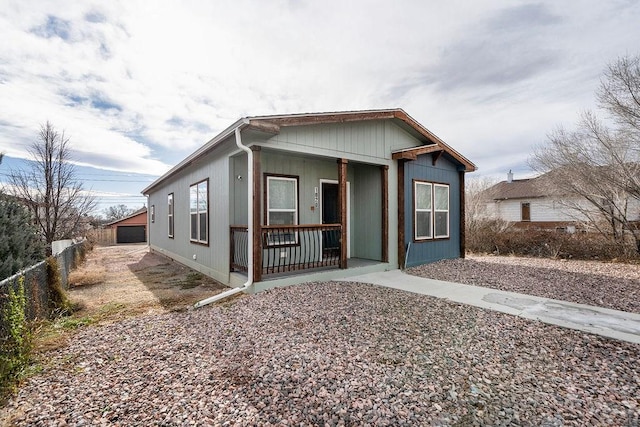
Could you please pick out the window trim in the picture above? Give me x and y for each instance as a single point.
(199, 241)
(170, 215)
(417, 238)
(433, 211)
(296, 179)
(448, 210)
(153, 214)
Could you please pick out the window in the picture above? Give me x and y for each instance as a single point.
(441, 210)
(525, 211)
(170, 214)
(431, 217)
(199, 211)
(423, 220)
(153, 213)
(282, 208)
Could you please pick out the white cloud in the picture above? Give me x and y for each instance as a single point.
(139, 85)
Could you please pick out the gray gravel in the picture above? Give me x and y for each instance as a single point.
(603, 284)
(334, 354)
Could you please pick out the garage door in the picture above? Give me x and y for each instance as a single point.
(131, 234)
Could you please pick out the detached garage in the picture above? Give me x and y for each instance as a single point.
(132, 229)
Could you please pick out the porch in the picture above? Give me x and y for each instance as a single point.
(295, 250)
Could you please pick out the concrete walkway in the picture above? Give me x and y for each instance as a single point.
(620, 325)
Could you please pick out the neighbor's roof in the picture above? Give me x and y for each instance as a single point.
(272, 124)
(516, 189)
(136, 213)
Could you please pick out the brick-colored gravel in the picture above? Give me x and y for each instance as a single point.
(603, 284)
(334, 354)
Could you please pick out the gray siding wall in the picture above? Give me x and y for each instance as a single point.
(213, 259)
(444, 172)
(366, 213)
(370, 141)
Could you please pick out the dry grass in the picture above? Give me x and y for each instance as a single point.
(87, 275)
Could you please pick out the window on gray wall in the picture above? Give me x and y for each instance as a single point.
(199, 211)
(170, 214)
(282, 208)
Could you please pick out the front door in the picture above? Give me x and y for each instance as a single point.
(330, 215)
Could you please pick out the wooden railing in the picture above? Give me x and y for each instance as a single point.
(287, 248)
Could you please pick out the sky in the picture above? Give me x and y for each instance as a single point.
(137, 86)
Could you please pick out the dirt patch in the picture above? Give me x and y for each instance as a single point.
(137, 280)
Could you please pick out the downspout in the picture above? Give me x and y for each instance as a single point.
(249, 281)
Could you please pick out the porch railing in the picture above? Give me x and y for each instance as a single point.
(289, 247)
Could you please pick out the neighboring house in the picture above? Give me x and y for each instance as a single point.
(131, 229)
(321, 195)
(534, 203)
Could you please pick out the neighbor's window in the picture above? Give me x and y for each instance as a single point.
(282, 208)
(199, 211)
(525, 211)
(153, 213)
(170, 214)
(431, 216)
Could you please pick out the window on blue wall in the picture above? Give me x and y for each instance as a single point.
(423, 210)
(441, 210)
(431, 210)
(199, 211)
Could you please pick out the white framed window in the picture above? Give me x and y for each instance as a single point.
(423, 216)
(170, 214)
(431, 210)
(153, 213)
(199, 211)
(282, 208)
(441, 211)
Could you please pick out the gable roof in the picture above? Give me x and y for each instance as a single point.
(136, 213)
(272, 124)
(517, 189)
(529, 188)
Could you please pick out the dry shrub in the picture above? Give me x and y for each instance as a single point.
(548, 244)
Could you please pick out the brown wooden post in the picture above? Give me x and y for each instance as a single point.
(257, 217)
(385, 213)
(342, 209)
(463, 247)
(401, 250)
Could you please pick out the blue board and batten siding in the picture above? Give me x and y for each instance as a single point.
(445, 171)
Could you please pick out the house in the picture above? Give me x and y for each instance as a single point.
(131, 229)
(275, 200)
(536, 203)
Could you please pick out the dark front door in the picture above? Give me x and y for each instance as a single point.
(330, 215)
(330, 203)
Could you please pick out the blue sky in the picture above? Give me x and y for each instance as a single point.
(137, 86)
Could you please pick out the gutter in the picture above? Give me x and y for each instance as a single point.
(249, 281)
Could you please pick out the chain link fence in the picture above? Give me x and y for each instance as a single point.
(36, 286)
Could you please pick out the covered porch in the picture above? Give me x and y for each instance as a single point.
(326, 224)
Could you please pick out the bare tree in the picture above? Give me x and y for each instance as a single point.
(596, 167)
(58, 201)
(116, 212)
(476, 200)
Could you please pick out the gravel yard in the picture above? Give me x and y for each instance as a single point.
(602, 284)
(334, 354)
